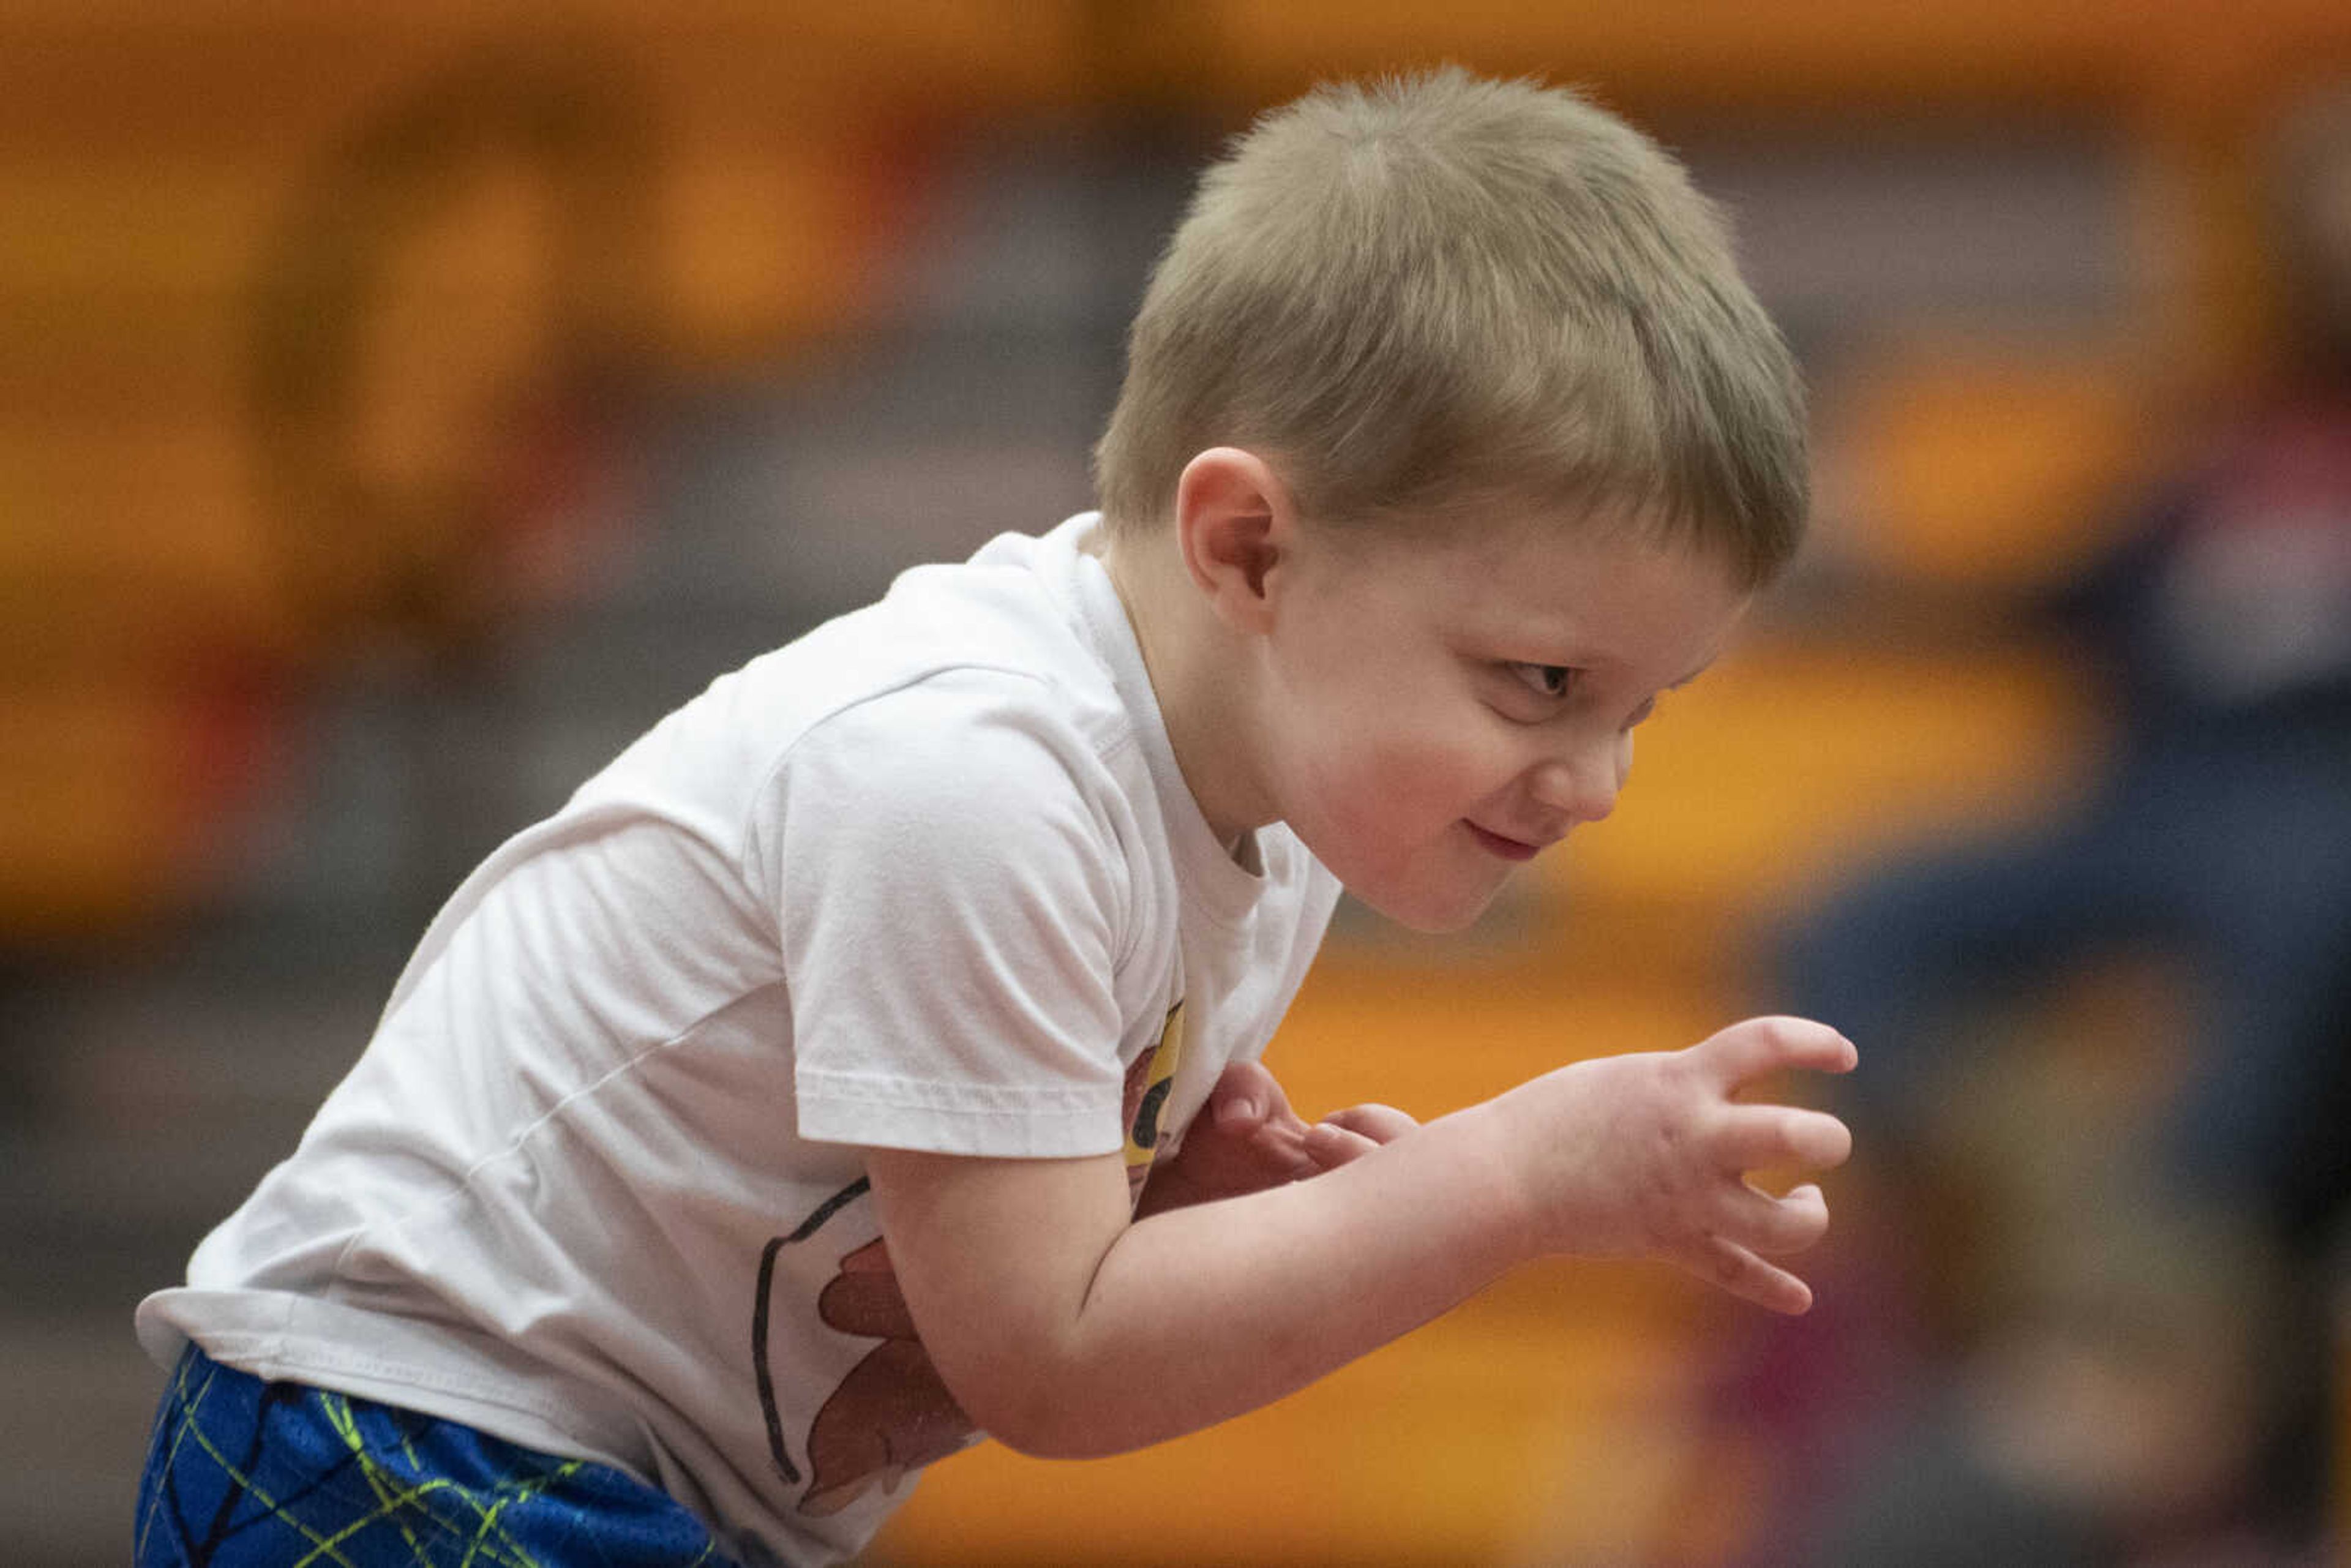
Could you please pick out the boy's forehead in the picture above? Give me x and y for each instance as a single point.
(1569, 565)
(1509, 534)
(1563, 573)
(1598, 601)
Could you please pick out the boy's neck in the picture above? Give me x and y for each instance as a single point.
(1200, 682)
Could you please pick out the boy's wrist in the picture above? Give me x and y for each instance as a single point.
(1497, 1179)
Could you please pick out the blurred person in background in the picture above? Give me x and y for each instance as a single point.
(2138, 1302)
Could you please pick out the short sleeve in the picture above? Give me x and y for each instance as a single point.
(946, 888)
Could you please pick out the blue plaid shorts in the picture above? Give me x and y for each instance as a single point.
(246, 1474)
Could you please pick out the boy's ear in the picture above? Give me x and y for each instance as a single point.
(1234, 522)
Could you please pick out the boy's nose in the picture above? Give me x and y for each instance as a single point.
(1583, 786)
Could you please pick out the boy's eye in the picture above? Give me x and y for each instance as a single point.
(1546, 680)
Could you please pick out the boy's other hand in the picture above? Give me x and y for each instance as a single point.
(1649, 1154)
(1247, 1138)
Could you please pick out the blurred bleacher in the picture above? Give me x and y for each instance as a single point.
(402, 407)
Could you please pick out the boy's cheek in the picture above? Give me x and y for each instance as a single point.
(1420, 787)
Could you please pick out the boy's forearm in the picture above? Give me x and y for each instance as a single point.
(1221, 1307)
(1201, 1314)
(1067, 1328)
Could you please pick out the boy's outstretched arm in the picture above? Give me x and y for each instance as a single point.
(1065, 1328)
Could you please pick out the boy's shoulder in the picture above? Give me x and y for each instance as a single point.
(955, 664)
(1003, 636)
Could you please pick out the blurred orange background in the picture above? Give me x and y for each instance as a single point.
(400, 406)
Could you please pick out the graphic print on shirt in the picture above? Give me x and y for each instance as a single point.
(1143, 1109)
(893, 1413)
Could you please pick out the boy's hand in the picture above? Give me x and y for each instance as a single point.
(1648, 1155)
(1247, 1138)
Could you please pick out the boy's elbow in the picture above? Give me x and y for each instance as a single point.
(1063, 1439)
(1043, 1413)
(1039, 1440)
(1029, 1425)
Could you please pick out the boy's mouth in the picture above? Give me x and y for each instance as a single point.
(1509, 849)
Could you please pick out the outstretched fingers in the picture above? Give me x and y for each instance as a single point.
(1739, 1271)
(1759, 1137)
(1750, 1226)
(1748, 1050)
(1775, 1227)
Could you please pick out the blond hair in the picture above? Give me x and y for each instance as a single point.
(1426, 295)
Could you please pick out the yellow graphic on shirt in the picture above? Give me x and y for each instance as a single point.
(1148, 1084)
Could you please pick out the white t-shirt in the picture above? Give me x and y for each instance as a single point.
(927, 878)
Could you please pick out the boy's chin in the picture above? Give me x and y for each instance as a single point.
(1430, 916)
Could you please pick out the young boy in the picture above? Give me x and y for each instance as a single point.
(866, 1059)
